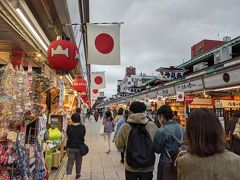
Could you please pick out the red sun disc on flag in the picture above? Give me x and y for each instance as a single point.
(104, 43)
(95, 91)
(180, 96)
(98, 80)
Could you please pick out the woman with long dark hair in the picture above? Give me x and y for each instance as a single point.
(208, 157)
(109, 125)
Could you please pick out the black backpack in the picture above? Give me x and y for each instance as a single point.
(140, 151)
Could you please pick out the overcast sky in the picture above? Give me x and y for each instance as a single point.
(160, 33)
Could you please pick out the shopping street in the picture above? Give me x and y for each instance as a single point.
(64, 60)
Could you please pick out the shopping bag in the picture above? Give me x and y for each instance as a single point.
(101, 130)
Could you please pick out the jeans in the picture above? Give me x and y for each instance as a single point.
(74, 156)
(138, 175)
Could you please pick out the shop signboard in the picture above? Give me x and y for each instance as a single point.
(222, 79)
(227, 104)
(168, 91)
(191, 86)
(167, 74)
(202, 101)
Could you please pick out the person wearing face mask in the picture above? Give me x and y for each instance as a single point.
(165, 142)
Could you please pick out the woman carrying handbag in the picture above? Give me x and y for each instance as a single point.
(76, 148)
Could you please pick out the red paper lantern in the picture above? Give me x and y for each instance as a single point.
(79, 85)
(189, 99)
(168, 101)
(17, 57)
(83, 95)
(95, 91)
(88, 102)
(63, 55)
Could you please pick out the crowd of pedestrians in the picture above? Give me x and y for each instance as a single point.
(200, 151)
(207, 154)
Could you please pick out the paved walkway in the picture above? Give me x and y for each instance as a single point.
(97, 165)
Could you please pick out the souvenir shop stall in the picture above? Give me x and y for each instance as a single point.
(225, 108)
(175, 105)
(22, 123)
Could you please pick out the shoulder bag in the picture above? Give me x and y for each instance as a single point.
(83, 147)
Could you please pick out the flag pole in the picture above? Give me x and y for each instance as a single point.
(76, 24)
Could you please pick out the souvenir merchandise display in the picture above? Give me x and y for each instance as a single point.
(21, 105)
(19, 161)
(55, 135)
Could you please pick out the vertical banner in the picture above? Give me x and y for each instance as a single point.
(61, 94)
(79, 101)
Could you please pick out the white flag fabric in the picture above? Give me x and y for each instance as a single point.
(98, 80)
(180, 96)
(103, 44)
(95, 93)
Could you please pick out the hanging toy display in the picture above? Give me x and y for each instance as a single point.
(6, 99)
(14, 95)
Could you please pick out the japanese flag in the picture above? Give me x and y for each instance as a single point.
(98, 80)
(103, 44)
(95, 93)
(180, 96)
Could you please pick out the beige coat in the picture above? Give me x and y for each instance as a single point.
(222, 166)
(122, 136)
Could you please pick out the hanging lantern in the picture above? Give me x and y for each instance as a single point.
(168, 101)
(17, 57)
(80, 85)
(189, 99)
(95, 91)
(88, 102)
(85, 99)
(63, 55)
(83, 95)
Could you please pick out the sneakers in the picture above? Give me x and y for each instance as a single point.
(78, 177)
(122, 161)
